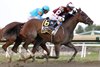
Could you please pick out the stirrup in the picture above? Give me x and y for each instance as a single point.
(53, 32)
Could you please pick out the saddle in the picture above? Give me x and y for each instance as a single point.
(48, 26)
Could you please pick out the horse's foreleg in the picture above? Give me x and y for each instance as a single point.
(47, 52)
(57, 51)
(37, 43)
(25, 45)
(70, 45)
(45, 48)
(16, 45)
(27, 42)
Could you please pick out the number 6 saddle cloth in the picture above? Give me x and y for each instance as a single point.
(49, 26)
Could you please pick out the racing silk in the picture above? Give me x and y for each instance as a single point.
(35, 14)
(58, 11)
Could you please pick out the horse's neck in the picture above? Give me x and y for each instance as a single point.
(70, 24)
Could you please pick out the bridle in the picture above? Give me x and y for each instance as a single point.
(86, 17)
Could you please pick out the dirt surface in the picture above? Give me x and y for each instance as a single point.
(50, 64)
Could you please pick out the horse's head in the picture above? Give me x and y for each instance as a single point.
(83, 17)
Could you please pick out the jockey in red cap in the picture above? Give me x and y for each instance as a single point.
(58, 13)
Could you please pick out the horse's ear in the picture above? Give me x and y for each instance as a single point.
(79, 9)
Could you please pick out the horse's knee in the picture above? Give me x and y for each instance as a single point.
(4, 47)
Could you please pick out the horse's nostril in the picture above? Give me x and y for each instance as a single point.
(91, 23)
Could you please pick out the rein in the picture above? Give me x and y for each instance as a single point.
(63, 29)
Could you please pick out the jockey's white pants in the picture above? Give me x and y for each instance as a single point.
(54, 17)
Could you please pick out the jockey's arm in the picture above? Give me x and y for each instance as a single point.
(72, 12)
(39, 13)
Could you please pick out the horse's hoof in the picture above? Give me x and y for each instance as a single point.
(14, 50)
(33, 59)
(54, 57)
(23, 60)
(10, 60)
(69, 60)
(43, 56)
(40, 57)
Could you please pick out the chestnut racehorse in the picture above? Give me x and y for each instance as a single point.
(11, 35)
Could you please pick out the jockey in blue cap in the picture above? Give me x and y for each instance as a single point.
(38, 12)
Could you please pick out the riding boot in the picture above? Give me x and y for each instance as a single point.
(53, 24)
(56, 29)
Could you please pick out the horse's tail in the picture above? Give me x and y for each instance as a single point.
(14, 31)
(11, 29)
(0, 34)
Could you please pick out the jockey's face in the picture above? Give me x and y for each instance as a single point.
(45, 11)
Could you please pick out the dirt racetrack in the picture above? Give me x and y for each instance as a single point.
(51, 64)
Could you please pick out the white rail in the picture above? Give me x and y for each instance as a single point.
(83, 50)
(51, 47)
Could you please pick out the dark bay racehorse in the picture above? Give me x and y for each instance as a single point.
(63, 36)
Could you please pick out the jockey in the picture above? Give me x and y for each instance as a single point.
(38, 12)
(58, 14)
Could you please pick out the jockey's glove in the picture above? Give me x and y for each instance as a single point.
(61, 19)
(63, 16)
(47, 18)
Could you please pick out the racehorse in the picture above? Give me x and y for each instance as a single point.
(11, 34)
(10, 38)
(63, 36)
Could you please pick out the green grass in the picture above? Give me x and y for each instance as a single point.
(90, 57)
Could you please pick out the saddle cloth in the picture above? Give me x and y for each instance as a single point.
(47, 27)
